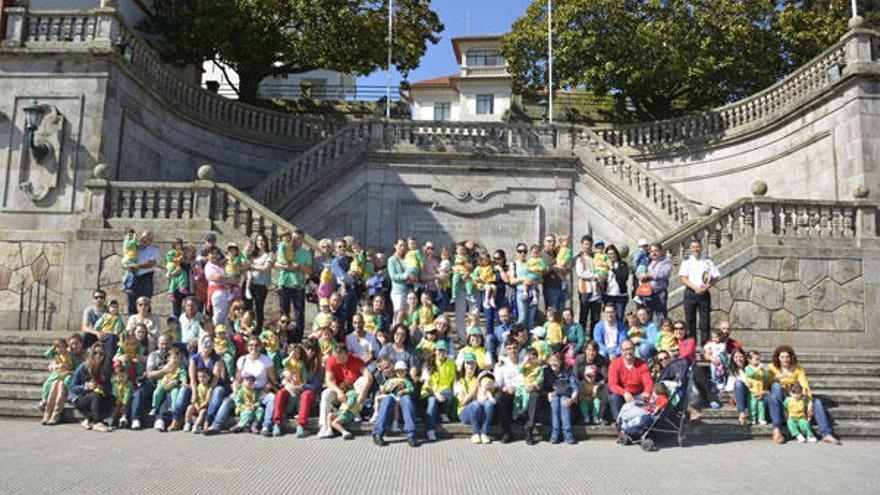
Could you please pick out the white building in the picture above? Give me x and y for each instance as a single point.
(480, 91)
(318, 84)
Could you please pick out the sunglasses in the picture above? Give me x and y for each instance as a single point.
(99, 297)
(521, 251)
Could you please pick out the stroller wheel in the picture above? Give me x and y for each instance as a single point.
(648, 445)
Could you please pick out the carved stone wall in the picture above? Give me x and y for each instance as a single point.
(793, 294)
(30, 284)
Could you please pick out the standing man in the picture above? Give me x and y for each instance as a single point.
(698, 274)
(428, 276)
(553, 276)
(339, 266)
(292, 282)
(659, 271)
(148, 257)
(590, 299)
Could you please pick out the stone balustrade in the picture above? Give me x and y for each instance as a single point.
(102, 31)
(496, 137)
(228, 210)
(780, 218)
(752, 112)
(348, 140)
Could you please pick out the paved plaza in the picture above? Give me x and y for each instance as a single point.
(66, 459)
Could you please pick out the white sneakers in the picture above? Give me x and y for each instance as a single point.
(485, 440)
(475, 439)
(800, 438)
(159, 424)
(432, 436)
(187, 427)
(444, 418)
(326, 432)
(395, 426)
(812, 439)
(135, 424)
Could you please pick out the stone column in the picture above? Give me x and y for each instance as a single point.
(107, 24)
(97, 198)
(15, 30)
(203, 190)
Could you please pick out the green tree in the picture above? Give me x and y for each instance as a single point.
(260, 38)
(663, 58)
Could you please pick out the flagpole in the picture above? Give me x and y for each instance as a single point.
(550, 60)
(390, 33)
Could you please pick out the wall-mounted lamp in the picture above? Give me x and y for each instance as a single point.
(33, 114)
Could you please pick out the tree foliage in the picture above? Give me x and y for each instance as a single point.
(662, 58)
(260, 38)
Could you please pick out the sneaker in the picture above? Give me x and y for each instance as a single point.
(159, 425)
(347, 435)
(85, 424)
(812, 439)
(412, 442)
(530, 439)
(395, 427)
(42, 406)
(325, 432)
(554, 440)
(209, 431)
(485, 440)
(800, 438)
(152, 412)
(507, 437)
(432, 436)
(715, 405)
(234, 429)
(197, 429)
(379, 441)
(187, 428)
(123, 423)
(569, 439)
(444, 418)
(300, 432)
(762, 422)
(276, 430)
(475, 439)
(255, 429)
(135, 424)
(175, 426)
(266, 432)
(374, 418)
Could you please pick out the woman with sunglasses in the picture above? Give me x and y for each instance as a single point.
(518, 275)
(502, 282)
(145, 316)
(91, 391)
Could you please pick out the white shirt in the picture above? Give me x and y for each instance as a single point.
(146, 254)
(361, 346)
(699, 271)
(507, 374)
(613, 288)
(258, 367)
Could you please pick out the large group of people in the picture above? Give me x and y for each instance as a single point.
(381, 348)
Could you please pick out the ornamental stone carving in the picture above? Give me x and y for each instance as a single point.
(40, 175)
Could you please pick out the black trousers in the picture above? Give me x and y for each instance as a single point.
(95, 407)
(142, 286)
(695, 304)
(257, 303)
(589, 313)
(504, 410)
(297, 299)
(539, 409)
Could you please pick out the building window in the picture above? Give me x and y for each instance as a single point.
(485, 104)
(484, 58)
(442, 112)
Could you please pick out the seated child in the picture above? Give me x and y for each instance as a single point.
(195, 412)
(666, 340)
(325, 283)
(247, 406)
(129, 354)
(272, 345)
(371, 319)
(532, 377)
(428, 345)
(486, 393)
(756, 377)
(111, 321)
(462, 267)
(346, 414)
(130, 246)
(398, 385)
(61, 368)
(484, 279)
(426, 312)
(224, 349)
(178, 278)
(588, 395)
(554, 333)
(796, 408)
(170, 382)
(324, 316)
(384, 372)
(716, 352)
(539, 343)
(122, 390)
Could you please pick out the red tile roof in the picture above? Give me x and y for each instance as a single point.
(436, 83)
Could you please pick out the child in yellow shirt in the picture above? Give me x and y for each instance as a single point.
(796, 408)
(553, 327)
(532, 376)
(484, 279)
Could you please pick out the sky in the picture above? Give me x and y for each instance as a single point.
(460, 18)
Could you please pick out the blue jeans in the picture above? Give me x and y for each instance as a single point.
(616, 403)
(479, 416)
(142, 399)
(553, 299)
(183, 397)
(774, 404)
(268, 402)
(559, 413)
(525, 311)
(441, 300)
(227, 409)
(491, 315)
(214, 403)
(407, 410)
(619, 305)
(435, 407)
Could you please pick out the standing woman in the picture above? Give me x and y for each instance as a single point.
(502, 282)
(218, 293)
(397, 273)
(517, 277)
(785, 372)
(91, 390)
(260, 255)
(617, 277)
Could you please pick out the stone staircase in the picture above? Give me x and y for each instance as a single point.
(849, 383)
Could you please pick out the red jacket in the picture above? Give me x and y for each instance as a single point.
(635, 380)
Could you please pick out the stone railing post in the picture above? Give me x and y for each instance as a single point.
(107, 23)
(866, 220)
(857, 47)
(203, 192)
(376, 133)
(97, 198)
(16, 29)
(763, 209)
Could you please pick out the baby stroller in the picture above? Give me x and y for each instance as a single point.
(638, 426)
